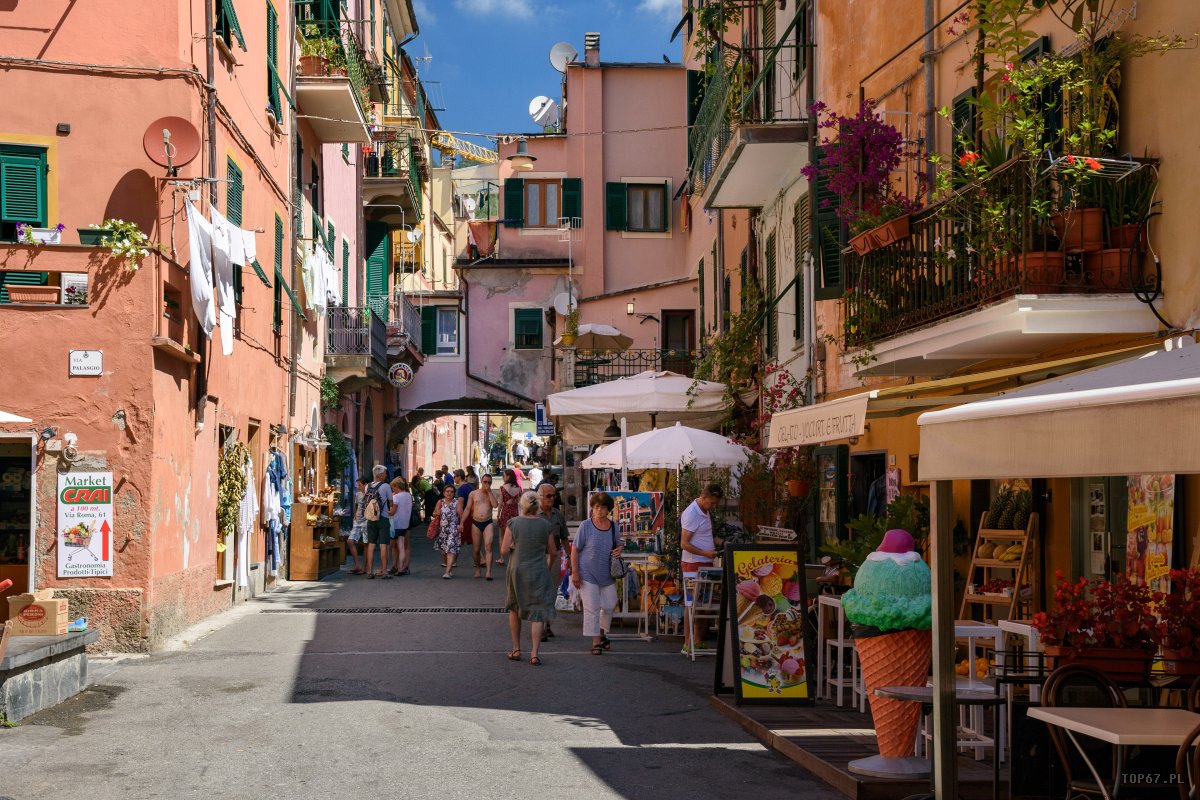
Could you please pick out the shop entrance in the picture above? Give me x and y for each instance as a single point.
(868, 484)
(16, 511)
(1126, 525)
(1098, 520)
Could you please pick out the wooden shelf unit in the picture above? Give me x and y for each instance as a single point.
(310, 559)
(1023, 572)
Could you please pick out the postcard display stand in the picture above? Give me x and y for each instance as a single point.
(315, 549)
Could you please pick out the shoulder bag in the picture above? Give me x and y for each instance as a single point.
(617, 568)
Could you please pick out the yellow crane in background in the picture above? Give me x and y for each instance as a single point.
(450, 145)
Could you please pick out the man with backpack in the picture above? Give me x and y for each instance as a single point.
(378, 508)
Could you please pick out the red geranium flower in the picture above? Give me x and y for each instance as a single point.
(968, 158)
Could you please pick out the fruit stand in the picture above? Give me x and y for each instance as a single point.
(1002, 572)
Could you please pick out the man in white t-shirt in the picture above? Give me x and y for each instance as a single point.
(534, 476)
(698, 543)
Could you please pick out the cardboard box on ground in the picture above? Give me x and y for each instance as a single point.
(37, 614)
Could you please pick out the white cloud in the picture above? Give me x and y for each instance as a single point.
(513, 8)
(425, 15)
(664, 8)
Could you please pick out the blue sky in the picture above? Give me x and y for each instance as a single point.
(491, 57)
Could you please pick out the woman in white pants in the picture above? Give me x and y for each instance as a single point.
(595, 544)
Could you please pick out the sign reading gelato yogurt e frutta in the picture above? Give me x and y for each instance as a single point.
(85, 525)
(824, 422)
(767, 606)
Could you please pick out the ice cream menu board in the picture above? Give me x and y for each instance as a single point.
(767, 620)
(85, 525)
(1151, 534)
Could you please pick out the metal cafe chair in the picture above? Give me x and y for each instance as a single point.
(1075, 685)
(1187, 764)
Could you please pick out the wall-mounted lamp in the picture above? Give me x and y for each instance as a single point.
(629, 309)
(521, 161)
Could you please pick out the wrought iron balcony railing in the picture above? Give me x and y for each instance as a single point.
(326, 32)
(357, 332)
(404, 320)
(599, 366)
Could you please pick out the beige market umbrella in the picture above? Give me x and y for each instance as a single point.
(593, 336)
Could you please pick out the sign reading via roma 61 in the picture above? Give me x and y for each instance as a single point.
(85, 525)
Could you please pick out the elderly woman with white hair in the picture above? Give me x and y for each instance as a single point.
(528, 541)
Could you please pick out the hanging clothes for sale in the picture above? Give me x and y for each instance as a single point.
(200, 269)
(333, 283)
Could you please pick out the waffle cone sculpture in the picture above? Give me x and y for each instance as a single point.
(891, 608)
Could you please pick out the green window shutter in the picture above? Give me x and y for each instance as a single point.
(572, 200)
(616, 207)
(23, 185)
(828, 237)
(700, 273)
(277, 319)
(21, 278)
(376, 295)
(227, 23)
(330, 239)
(527, 328)
(261, 273)
(429, 330)
(773, 309)
(514, 203)
(345, 272)
(273, 60)
(962, 119)
(233, 192)
(238, 286)
(800, 214)
(768, 41)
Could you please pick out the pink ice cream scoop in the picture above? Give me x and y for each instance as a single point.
(791, 590)
(749, 589)
(764, 570)
(790, 666)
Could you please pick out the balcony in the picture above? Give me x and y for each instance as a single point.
(404, 331)
(930, 303)
(392, 173)
(599, 366)
(332, 88)
(750, 137)
(356, 352)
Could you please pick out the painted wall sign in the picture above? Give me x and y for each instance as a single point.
(824, 422)
(85, 525)
(400, 375)
(86, 362)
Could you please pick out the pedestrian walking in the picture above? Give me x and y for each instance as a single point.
(558, 529)
(401, 520)
(596, 542)
(528, 542)
(447, 531)
(378, 509)
(509, 493)
(481, 504)
(432, 494)
(552, 480)
(358, 526)
(472, 477)
(534, 475)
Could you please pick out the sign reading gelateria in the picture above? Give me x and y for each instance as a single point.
(824, 422)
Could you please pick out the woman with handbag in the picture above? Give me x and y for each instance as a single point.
(529, 540)
(595, 566)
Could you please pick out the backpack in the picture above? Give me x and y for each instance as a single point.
(374, 503)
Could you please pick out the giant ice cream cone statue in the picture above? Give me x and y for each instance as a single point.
(891, 608)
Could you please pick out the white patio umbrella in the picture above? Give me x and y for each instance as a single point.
(646, 400)
(669, 448)
(7, 417)
(593, 336)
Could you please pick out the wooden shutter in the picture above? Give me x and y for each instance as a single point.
(277, 320)
(23, 185)
(772, 287)
(21, 278)
(800, 215)
(962, 118)
(828, 236)
(273, 60)
(429, 330)
(377, 268)
(227, 23)
(330, 239)
(616, 207)
(345, 272)
(527, 328)
(514, 203)
(767, 89)
(233, 192)
(572, 200)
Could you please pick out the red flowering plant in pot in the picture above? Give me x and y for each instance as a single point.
(1106, 625)
(1178, 629)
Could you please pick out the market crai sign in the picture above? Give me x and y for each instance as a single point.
(824, 422)
(85, 525)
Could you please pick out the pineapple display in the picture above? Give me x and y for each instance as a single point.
(1024, 508)
(1009, 513)
(997, 508)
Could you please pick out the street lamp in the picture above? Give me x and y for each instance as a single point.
(613, 431)
(521, 161)
(629, 308)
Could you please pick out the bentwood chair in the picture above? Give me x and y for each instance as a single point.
(1192, 698)
(1075, 685)
(1187, 763)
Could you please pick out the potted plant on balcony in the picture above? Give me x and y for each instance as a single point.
(1127, 203)
(571, 331)
(28, 234)
(125, 239)
(1178, 628)
(40, 295)
(320, 55)
(856, 166)
(1109, 626)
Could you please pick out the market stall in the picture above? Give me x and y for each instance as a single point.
(1137, 416)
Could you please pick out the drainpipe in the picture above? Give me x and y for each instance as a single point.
(810, 324)
(211, 112)
(930, 98)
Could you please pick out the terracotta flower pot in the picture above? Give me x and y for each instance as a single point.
(1120, 664)
(1126, 235)
(889, 232)
(33, 294)
(1108, 270)
(798, 487)
(1081, 230)
(1041, 272)
(863, 243)
(314, 66)
(1176, 664)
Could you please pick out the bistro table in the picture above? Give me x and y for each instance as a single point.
(963, 697)
(1124, 727)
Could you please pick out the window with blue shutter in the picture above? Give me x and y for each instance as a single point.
(527, 328)
(22, 188)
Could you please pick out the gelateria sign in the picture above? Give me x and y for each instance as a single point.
(824, 422)
(85, 525)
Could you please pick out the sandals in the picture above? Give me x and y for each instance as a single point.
(605, 642)
(535, 661)
(446, 576)
(515, 655)
(370, 576)
(597, 650)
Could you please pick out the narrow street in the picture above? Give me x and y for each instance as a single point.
(345, 689)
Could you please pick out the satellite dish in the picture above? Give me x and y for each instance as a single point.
(543, 111)
(562, 54)
(414, 235)
(564, 303)
(171, 142)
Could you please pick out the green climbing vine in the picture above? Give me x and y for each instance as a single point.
(231, 486)
(338, 455)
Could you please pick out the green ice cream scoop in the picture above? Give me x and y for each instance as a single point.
(891, 595)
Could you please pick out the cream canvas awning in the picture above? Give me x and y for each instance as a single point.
(1135, 416)
(8, 417)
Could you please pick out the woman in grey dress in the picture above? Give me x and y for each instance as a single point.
(528, 540)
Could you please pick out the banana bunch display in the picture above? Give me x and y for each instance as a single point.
(1000, 551)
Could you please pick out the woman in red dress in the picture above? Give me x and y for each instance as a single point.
(510, 493)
